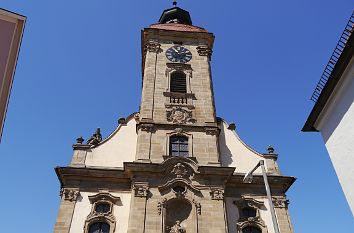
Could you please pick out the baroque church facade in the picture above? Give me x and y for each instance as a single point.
(172, 167)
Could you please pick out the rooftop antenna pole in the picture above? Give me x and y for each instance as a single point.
(174, 2)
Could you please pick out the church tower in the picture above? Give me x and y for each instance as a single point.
(172, 167)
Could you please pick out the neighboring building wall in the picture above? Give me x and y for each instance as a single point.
(11, 30)
(337, 129)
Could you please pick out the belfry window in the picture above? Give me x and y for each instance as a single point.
(178, 82)
(179, 146)
(99, 227)
(251, 229)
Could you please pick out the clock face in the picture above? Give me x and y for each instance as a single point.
(178, 54)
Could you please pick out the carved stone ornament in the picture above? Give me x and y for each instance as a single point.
(95, 138)
(141, 190)
(198, 207)
(70, 194)
(177, 228)
(137, 117)
(179, 116)
(204, 50)
(153, 46)
(161, 205)
(146, 127)
(217, 194)
(179, 170)
(280, 202)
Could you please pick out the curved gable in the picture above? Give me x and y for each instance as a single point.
(234, 152)
(117, 148)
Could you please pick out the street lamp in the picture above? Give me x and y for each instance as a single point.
(248, 179)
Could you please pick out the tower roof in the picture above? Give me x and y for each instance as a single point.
(175, 15)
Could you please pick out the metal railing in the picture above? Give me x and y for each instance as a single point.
(327, 73)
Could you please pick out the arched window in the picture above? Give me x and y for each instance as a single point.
(179, 146)
(99, 227)
(178, 82)
(251, 229)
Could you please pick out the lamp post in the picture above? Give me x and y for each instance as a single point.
(248, 179)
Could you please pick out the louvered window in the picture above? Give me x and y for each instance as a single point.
(179, 146)
(178, 82)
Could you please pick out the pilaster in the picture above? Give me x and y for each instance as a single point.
(66, 210)
(282, 213)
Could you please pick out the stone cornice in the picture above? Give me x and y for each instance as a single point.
(134, 170)
(208, 127)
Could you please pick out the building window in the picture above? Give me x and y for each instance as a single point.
(179, 146)
(248, 212)
(102, 208)
(101, 218)
(251, 229)
(99, 227)
(178, 82)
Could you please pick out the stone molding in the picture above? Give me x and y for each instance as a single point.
(211, 130)
(70, 194)
(147, 127)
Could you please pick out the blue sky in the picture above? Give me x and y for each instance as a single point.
(80, 68)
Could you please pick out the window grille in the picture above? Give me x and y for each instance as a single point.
(179, 146)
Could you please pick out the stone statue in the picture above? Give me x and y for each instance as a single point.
(177, 228)
(95, 138)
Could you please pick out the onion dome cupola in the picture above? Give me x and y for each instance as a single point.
(175, 15)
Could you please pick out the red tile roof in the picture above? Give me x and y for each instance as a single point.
(178, 27)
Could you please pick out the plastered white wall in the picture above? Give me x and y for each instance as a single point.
(83, 209)
(235, 153)
(233, 214)
(337, 129)
(119, 147)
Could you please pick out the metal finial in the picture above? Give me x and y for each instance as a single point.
(174, 2)
(79, 140)
(270, 149)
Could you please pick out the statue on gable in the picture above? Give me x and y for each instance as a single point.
(177, 228)
(95, 138)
